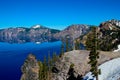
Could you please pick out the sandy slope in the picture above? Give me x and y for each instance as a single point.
(80, 59)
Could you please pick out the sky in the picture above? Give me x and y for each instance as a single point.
(57, 14)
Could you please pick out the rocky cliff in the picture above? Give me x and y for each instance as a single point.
(110, 25)
(39, 33)
(30, 69)
(108, 34)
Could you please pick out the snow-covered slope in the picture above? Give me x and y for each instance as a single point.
(110, 70)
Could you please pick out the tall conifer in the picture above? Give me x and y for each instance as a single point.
(94, 55)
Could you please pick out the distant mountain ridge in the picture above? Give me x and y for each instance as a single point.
(40, 33)
(73, 31)
(108, 32)
(21, 34)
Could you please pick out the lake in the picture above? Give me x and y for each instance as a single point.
(12, 56)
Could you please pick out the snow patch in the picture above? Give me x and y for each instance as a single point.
(37, 26)
(110, 70)
(89, 76)
(117, 49)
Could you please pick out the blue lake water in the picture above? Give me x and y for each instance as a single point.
(12, 56)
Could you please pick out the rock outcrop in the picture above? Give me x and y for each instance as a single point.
(108, 35)
(110, 25)
(30, 69)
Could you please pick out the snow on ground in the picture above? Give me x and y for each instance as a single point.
(117, 49)
(89, 76)
(110, 70)
(115, 76)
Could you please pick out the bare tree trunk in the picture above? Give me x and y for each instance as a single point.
(73, 43)
(96, 53)
(97, 77)
(97, 72)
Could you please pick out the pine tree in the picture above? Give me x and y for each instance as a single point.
(62, 50)
(67, 45)
(89, 42)
(45, 69)
(40, 70)
(49, 62)
(77, 45)
(54, 58)
(94, 55)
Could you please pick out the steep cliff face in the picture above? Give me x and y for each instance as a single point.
(30, 69)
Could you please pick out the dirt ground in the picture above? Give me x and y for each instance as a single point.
(80, 59)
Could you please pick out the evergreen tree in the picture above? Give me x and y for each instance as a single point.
(45, 69)
(67, 44)
(49, 62)
(40, 70)
(77, 45)
(89, 42)
(50, 66)
(54, 58)
(94, 55)
(62, 50)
